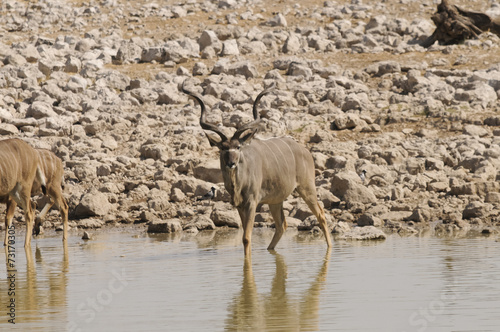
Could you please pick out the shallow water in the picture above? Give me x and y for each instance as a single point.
(131, 281)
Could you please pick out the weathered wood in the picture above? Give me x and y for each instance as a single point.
(454, 25)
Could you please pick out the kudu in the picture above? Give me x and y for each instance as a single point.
(53, 171)
(263, 171)
(19, 166)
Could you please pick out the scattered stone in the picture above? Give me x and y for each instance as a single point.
(341, 228)
(229, 218)
(230, 47)
(164, 226)
(363, 234)
(476, 210)
(245, 68)
(292, 44)
(208, 171)
(368, 219)
(420, 215)
(7, 129)
(209, 38)
(90, 223)
(277, 21)
(473, 130)
(348, 187)
(203, 223)
(93, 204)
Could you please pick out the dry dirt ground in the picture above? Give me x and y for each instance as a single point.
(194, 23)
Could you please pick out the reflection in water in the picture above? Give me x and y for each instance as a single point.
(251, 311)
(204, 240)
(37, 288)
(201, 282)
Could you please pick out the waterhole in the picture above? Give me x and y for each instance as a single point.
(127, 280)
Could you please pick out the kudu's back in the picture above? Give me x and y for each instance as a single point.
(17, 163)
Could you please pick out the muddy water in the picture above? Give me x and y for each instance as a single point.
(129, 281)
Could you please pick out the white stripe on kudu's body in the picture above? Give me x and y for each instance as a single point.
(19, 168)
(263, 171)
(53, 170)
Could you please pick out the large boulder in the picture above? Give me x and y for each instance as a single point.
(129, 52)
(230, 47)
(40, 109)
(368, 219)
(229, 218)
(348, 187)
(202, 223)
(245, 68)
(208, 171)
(93, 203)
(476, 209)
(209, 38)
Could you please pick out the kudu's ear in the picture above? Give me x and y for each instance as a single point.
(214, 139)
(246, 136)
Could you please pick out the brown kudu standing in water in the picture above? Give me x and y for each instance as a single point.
(266, 171)
(19, 166)
(53, 171)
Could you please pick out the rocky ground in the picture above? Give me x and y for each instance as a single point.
(98, 83)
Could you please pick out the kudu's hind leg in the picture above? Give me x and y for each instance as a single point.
(247, 215)
(63, 208)
(29, 215)
(279, 222)
(309, 196)
(55, 197)
(9, 214)
(320, 215)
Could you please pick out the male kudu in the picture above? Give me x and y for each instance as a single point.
(263, 171)
(19, 166)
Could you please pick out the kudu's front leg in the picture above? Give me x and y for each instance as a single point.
(247, 215)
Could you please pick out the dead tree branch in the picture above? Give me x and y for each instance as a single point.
(454, 25)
